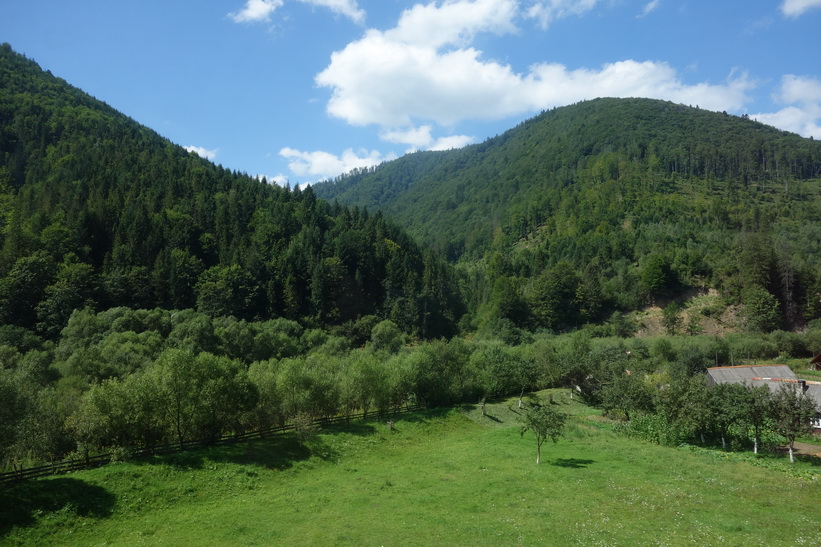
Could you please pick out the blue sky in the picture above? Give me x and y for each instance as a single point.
(302, 90)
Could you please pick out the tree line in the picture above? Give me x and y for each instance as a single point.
(124, 378)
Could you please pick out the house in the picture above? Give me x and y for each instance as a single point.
(815, 364)
(753, 375)
(771, 376)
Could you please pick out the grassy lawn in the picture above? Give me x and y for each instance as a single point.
(440, 478)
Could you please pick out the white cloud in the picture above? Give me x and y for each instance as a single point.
(802, 113)
(261, 10)
(400, 77)
(451, 142)
(553, 84)
(416, 137)
(796, 8)
(547, 12)
(280, 179)
(649, 7)
(348, 8)
(256, 10)
(454, 22)
(202, 152)
(320, 165)
(799, 89)
(421, 138)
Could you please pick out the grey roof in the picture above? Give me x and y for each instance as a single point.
(772, 376)
(814, 391)
(746, 374)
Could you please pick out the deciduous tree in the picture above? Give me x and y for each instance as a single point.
(545, 422)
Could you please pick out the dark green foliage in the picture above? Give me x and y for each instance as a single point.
(671, 318)
(619, 148)
(226, 290)
(98, 211)
(636, 199)
(629, 394)
(726, 403)
(556, 299)
(386, 337)
(761, 310)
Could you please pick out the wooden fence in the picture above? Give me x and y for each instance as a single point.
(171, 448)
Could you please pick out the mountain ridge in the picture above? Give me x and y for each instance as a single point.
(554, 142)
(99, 211)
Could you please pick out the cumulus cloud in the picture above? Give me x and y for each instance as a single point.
(421, 138)
(799, 89)
(416, 137)
(454, 22)
(802, 111)
(202, 152)
(401, 77)
(320, 165)
(261, 10)
(796, 8)
(424, 76)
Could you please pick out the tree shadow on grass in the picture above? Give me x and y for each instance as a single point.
(573, 463)
(782, 453)
(811, 459)
(424, 416)
(355, 428)
(278, 452)
(22, 502)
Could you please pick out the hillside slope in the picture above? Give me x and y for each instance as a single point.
(97, 210)
(615, 203)
(476, 189)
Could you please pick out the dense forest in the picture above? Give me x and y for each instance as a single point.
(148, 296)
(612, 204)
(98, 211)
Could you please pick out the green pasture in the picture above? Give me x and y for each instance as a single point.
(449, 477)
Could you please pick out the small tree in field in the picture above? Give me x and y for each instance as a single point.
(544, 422)
(794, 411)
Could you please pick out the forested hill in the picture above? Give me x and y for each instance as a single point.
(612, 204)
(456, 199)
(99, 211)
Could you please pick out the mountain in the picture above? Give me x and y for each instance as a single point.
(99, 211)
(631, 200)
(457, 198)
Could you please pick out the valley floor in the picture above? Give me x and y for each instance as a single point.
(451, 477)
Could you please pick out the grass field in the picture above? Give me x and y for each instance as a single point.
(440, 478)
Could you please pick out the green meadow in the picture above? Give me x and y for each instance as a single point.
(441, 477)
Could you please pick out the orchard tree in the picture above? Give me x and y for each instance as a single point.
(627, 393)
(757, 402)
(726, 403)
(794, 411)
(545, 422)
